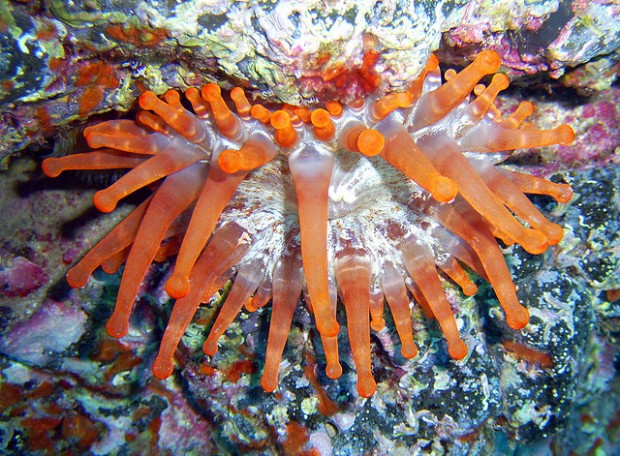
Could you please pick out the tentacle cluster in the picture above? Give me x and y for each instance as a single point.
(377, 201)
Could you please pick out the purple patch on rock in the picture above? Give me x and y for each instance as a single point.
(50, 330)
(22, 278)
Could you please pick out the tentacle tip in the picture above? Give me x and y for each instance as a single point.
(377, 324)
(104, 202)
(162, 368)
(117, 326)
(269, 382)
(366, 385)
(334, 108)
(178, 286)
(211, 92)
(172, 96)
(333, 370)
(432, 62)
(89, 131)
(565, 193)
(52, 167)
(229, 161)
(565, 134)
(555, 234)
(146, 100)
(528, 108)
(502, 81)
(92, 138)
(490, 59)
(320, 118)
(409, 351)
(236, 93)
(444, 189)
(370, 143)
(457, 349)
(280, 119)
(209, 347)
(110, 267)
(76, 279)
(534, 242)
(517, 318)
(192, 91)
(250, 306)
(470, 289)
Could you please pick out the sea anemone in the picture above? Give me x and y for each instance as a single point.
(379, 200)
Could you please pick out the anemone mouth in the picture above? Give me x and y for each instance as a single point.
(361, 183)
(367, 205)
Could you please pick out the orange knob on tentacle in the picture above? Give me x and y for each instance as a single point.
(498, 138)
(242, 104)
(230, 160)
(523, 111)
(253, 154)
(199, 104)
(370, 142)
(435, 105)
(286, 136)
(226, 122)
(485, 99)
(348, 137)
(292, 112)
(303, 113)
(173, 98)
(148, 100)
(334, 108)
(173, 114)
(384, 106)
(260, 113)
(324, 128)
(450, 73)
(125, 135)
(359, 138)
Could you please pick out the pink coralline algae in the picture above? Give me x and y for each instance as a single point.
(21, 277)
(52, 329)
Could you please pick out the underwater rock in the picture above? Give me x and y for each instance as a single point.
(21, 277)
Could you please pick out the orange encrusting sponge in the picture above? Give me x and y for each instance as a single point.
(196, 178)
